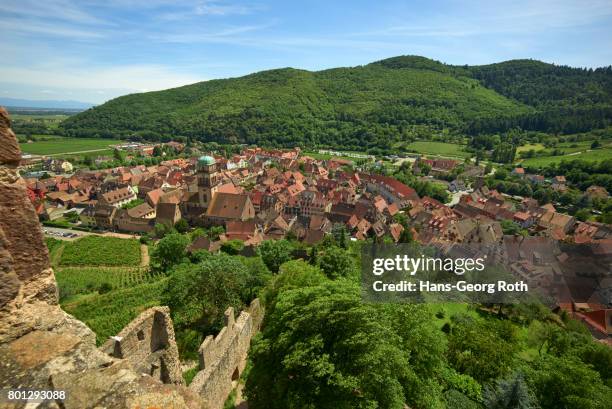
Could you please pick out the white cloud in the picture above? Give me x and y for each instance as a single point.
(485, 18)
(223, 9)
(49, 9)
(226, 35)
(209, 8)
(25, 26)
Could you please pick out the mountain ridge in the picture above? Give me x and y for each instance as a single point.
(372, 105)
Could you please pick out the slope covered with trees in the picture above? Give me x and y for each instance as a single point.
(376, 105)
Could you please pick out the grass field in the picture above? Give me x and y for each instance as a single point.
(594, 155)
(447, 310)
(101, 251)
(107, 314)
(40, 117)
(438, 148)
(61, 145)
(83, 280)
(530, 146)
(131, 289)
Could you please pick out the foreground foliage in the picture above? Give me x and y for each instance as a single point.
(322, 347)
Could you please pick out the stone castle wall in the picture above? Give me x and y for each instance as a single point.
(223, 358)
(148, 343)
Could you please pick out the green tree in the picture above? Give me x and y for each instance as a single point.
(199, 294)
(321, 347)
(119, 155)
(567, 383)
(215, 231)
(275, 252)
(170, 250)
(336, 262)
(292, 274)
(583, 215)
(482, 349)
(511, 393)
(161, 229)
(340, 235)
(181, 226)
(232, 247)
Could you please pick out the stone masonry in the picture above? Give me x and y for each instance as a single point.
(148, 343)
(223, 358)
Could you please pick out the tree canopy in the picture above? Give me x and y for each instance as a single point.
(362, 108)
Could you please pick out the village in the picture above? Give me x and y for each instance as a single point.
(261, 194)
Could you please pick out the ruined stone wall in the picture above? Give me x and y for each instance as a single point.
(223, 358)
(148, 343)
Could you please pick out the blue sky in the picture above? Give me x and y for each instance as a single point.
(94, 50)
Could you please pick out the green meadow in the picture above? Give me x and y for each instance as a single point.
(60, 145)
(591, 155)
(438, 148)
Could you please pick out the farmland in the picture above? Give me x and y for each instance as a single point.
(529, 147)
(107, 314)
(590, 155)
(83, 280)
(61, 145)
(101, 281)
(53, 244)
(438, 148)
(101, 251)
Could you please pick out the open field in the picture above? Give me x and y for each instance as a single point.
(101, 251)
(591, 155)
(530, 146)
(39, 117)
(107, 314)
(59, 145)
(83, 280)
(105, 297)
(438, 148)
(447, 310)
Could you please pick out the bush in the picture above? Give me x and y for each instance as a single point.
(105, 288)
(232, 247)
(336, 262)
(170, 250)
(274, 253)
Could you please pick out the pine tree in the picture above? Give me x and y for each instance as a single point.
(511, 393)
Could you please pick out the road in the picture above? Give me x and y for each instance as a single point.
(456, 196)
(63, 234)
(58, 233)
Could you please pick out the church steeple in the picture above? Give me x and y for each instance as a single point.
(208, 179)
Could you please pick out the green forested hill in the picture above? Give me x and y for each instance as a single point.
(362, 107)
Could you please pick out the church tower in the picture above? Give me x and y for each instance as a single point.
(208, 180)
